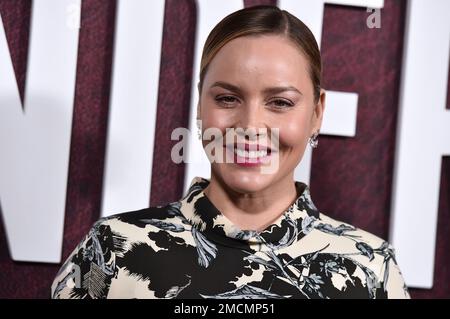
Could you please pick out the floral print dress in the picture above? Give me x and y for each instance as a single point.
(189, 249)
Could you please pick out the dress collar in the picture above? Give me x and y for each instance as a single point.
(292, 225)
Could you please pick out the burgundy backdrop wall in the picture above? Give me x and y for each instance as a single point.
(351, 177)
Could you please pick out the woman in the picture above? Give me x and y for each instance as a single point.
(246, 232)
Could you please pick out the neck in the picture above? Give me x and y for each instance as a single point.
(256, 210)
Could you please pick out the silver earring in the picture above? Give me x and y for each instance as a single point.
(313, 140)
(199, 129)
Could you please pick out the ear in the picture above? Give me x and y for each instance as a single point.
(318, 112)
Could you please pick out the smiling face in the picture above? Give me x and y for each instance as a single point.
(258, 83)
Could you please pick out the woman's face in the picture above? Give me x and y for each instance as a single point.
(257, 84)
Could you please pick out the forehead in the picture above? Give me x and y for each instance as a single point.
(263, 58)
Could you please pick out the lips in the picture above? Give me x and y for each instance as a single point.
(246, 154)
(249, 147)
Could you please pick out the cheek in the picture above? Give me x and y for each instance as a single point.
(217, 120)
(294, 134)
(213, 116)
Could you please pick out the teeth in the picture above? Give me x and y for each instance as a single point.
(250, 154)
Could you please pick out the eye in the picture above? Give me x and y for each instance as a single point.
(227, 100)
(281, 103)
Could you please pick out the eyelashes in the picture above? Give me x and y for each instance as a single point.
(284, 103)
(226, 99)
(229, 101)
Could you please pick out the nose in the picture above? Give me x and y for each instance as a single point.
(251, 122)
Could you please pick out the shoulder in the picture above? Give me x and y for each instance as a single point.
(373, 256)
(344, 239)
(351, 233)
(143, 226)
(91, 268)
(150, 217)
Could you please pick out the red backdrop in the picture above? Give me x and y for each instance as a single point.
(351, 177)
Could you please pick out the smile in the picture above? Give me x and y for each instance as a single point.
(249, 154)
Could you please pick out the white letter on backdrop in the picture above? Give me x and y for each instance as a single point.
(35, 142)
(423, 138)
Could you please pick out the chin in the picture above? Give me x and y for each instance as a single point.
(245, 180)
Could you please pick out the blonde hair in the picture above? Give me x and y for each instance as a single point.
(262, 20)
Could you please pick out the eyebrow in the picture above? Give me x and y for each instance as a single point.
(269, 90)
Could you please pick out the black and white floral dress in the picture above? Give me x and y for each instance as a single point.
(188, 249)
